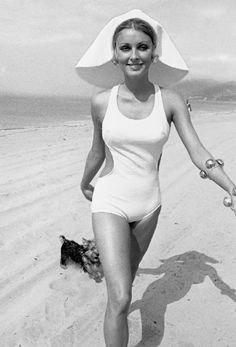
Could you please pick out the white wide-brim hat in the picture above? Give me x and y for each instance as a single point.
(96, 67)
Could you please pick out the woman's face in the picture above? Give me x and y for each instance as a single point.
(133, 52)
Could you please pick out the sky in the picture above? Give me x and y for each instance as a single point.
(41, 41)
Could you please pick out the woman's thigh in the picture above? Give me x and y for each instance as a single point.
(112, 234)
(141, 236)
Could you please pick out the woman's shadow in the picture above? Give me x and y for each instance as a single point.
(179, 272)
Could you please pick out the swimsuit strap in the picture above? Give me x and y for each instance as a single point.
(160, 109)
(111, 102)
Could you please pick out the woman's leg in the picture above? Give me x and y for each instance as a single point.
(112, 234)
(141, 235)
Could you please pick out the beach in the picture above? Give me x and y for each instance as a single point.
(184, 293)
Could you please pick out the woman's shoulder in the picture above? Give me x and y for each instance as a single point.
(99, 102)
(100, 98)
(171, 96)
(172, 100)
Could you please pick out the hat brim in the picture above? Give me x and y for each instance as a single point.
(96, 67)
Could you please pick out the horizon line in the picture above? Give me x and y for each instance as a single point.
(81, 96)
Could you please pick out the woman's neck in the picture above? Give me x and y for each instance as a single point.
(140, 88)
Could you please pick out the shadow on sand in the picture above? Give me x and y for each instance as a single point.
(179, 273)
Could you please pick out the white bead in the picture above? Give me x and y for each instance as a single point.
(203, 174)
(220, 162)
(227, 202)
(210, 163)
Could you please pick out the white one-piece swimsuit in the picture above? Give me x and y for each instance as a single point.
(129, 185)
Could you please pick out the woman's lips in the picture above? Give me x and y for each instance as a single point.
(135, 64)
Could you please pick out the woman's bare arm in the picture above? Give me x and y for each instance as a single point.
(96, 154)
(198, 153)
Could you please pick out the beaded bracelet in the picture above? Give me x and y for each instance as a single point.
(211, 164)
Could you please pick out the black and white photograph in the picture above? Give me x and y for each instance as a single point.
(117, 173)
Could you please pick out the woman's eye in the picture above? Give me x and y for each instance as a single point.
(124, 48)
(143, 47)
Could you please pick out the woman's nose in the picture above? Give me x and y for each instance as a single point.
(134, 54)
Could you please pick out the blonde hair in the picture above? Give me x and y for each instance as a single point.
(137, 24)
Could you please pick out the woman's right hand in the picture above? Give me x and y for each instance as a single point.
(88, 192)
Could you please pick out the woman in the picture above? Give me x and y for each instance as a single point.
(131, 125)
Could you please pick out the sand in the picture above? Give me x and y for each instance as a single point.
(184, 293)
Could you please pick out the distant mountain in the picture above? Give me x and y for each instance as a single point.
(205, 89)
(199, 89)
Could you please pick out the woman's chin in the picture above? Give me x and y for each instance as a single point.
(135, 72)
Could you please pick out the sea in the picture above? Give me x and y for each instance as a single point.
(18, 112)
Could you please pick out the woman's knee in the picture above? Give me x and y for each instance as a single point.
(119, 300)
